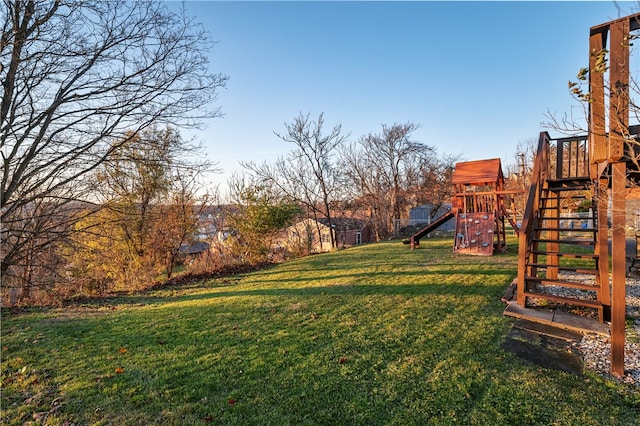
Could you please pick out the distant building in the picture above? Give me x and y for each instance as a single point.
(350, 232)
(423, 215)
(188, 252)
(311, 236)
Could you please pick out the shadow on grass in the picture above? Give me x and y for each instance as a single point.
(353, 290)
(430, 273)
(336, 284)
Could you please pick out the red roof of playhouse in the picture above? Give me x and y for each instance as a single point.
(479, 172)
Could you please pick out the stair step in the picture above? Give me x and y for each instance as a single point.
(557, 318)
(568, 300)
(576, 218)
(567, 229)
(567, 241)
(569, 184)
(567, 255)
(570, 197)
(589, 271)
(568, 217)
(564, 283)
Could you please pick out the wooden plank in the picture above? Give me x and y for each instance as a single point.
(477, 172)
(597, 131)
(522, 268)
(633, 20)
(513, 192)
(573, 241)
(618, 267)
(567, 300)
(618, 127)
(569, 268)
(563, 283)
(559, 158)
(557, 318)
(602, 247)
(619, 89)
(529, 218)
(543, 316)
(570, 255)
(579, 323)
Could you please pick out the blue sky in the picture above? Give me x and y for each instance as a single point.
(478, 77)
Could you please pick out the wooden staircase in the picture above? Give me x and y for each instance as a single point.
(562, 250)
(605, 165)
(559, 249)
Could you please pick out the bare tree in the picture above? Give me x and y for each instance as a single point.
(433, 184)
(518, 174)
(76, 76)
(181, 214)
(148, 208)
(308, 174)
(384, 167)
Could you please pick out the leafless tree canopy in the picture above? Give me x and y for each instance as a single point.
(309, 174)
(76, 76)
(384, 167)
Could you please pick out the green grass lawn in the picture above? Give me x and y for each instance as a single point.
(377, 334)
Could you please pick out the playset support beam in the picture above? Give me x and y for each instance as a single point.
(609, 152)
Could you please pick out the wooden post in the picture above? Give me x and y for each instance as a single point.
(598, 159)
(618, 268)
(559, 160)
(597, 132)
(602, 249)
(618, 128)
(522, 269)
(619, 90)
(553, 224)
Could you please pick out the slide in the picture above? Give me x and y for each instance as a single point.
(415, 238)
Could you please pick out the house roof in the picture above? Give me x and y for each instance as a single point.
(478, 172)
(195, 248)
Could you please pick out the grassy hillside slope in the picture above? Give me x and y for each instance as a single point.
(376, 334)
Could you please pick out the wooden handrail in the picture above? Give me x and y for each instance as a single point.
(538, 177)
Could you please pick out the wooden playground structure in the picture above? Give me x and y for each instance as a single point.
(478, 208)
(599, 167)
